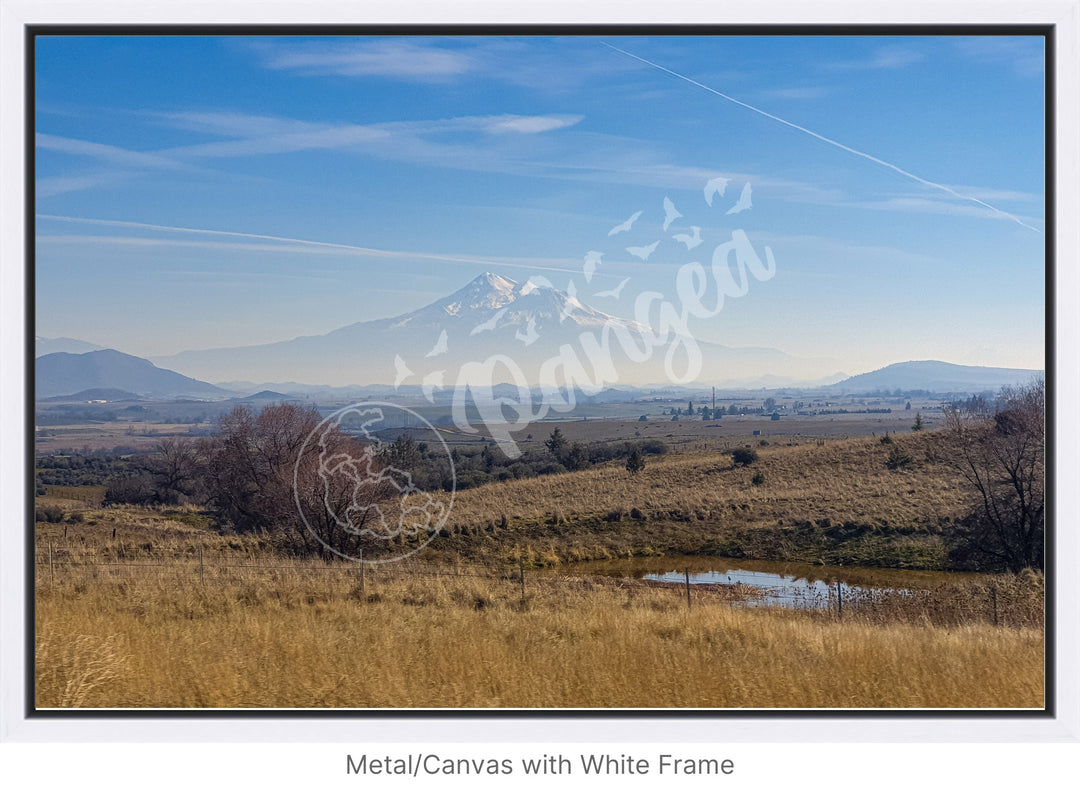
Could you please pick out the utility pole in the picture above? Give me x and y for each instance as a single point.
(714, 399)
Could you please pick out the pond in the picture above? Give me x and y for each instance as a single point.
(789, 584)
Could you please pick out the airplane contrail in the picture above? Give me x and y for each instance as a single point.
(278, 239)
(827, 140)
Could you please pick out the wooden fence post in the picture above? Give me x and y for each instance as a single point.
(839, 601)
(521, 570)
(688, 588)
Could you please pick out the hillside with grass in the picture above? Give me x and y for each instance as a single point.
(834, 501)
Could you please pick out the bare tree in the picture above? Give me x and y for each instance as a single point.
(1000, 449)
(175, 468)
(310, 485)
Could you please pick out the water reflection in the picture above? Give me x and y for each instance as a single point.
(773, 589)
(793, 585)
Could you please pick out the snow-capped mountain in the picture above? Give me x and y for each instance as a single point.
(493, 300)
(526, 323)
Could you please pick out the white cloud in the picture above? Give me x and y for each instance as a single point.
(406, 60)
(1024, 54)
(891, 57)
(945, 208)
(52, 186)
(894, 57)
(529, 124)
(263, 135)
(258, 242)
(797, 93)
(314, 138)
(249, 135)
(229, 123)
(105, 152)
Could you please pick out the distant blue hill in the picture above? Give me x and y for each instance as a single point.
(98, 394)
(63, 374)
(935, 376)
(267, 395)
(43, 346)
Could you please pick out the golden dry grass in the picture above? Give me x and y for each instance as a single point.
(256, 637)
(252, 629)
(834, 480)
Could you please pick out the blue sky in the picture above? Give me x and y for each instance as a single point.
(207, 191)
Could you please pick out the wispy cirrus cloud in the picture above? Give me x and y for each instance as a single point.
(106, 152)
(795, 93)
(54, 186)
(401, 59)
(1024, 54)
(229, 123)
(246, 241)
(250, 126)
(529, 124)
(891, 57)
(268, 136)
(913, 204)
(548, 65)
(248, 135)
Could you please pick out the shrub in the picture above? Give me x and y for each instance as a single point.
(130, 488)
(759, 478)
(744, 456)
(898, 459)
(49, 514)
(602, 452)
(577, 458)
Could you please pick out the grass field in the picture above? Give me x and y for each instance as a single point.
(832, 501)
(287, 637)
(152, 607)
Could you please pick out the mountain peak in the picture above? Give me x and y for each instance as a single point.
(489, 291)
(496, 281)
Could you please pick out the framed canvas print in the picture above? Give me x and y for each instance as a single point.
(470, 371)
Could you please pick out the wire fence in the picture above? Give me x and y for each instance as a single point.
(997, 601)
